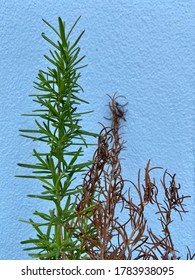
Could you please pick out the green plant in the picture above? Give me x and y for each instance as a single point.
(57, 121)
(104, 217)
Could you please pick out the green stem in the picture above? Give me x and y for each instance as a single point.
(61, 237)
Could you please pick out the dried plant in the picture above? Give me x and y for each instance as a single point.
(116, 225)
(104, 218)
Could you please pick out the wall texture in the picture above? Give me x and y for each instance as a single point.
(141, 49)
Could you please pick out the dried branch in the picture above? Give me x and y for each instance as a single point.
(116, 224)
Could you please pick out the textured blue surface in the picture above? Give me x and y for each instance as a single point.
(141, 49)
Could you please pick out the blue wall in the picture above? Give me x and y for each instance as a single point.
(141, 49)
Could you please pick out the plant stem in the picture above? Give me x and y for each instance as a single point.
(63, 256)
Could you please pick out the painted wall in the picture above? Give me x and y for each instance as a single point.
(141, 49)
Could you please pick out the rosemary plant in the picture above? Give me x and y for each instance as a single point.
(84, 223)
(57, 121)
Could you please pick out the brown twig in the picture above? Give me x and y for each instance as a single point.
(104, 201)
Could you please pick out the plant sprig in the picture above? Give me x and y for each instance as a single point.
(58, 125)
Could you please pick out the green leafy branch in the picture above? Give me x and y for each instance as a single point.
(57, 123)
